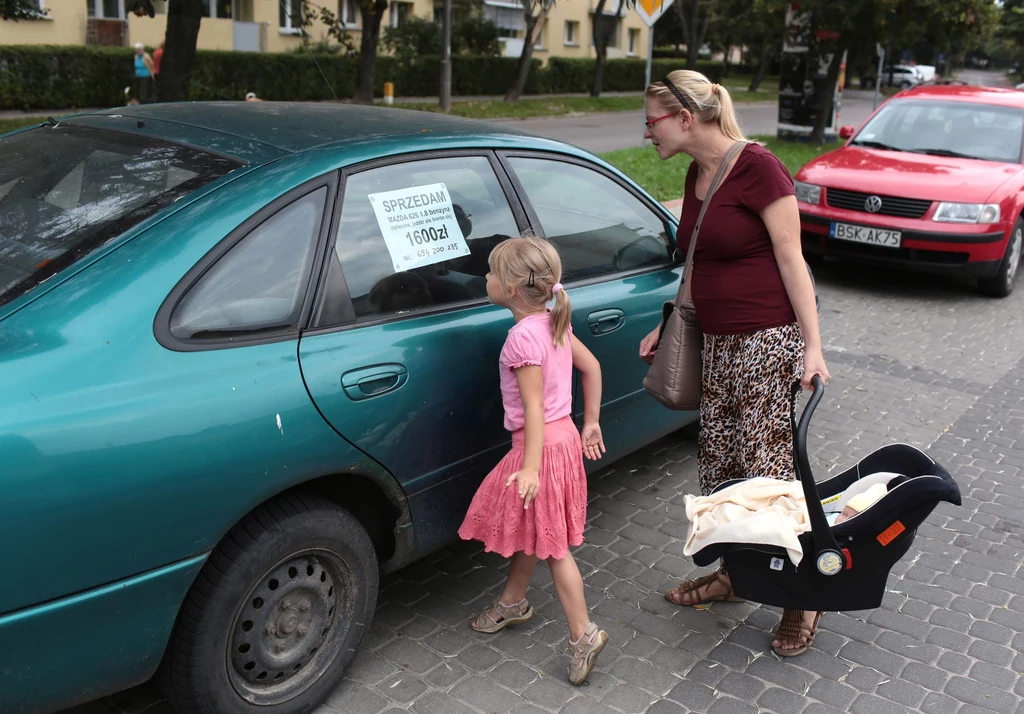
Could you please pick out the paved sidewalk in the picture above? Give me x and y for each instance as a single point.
(914, 359)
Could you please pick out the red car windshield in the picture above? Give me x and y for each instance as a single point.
(967, 130)
(66, 190)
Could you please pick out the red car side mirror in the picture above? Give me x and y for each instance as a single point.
(846, 132)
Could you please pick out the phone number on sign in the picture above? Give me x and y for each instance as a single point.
(435, 250)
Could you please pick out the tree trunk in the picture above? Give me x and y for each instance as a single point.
(727, 65)
(525, 57)
(602, 34)
(762, 68)
(693, 35)
(598, 33)
(372, 13)
(825, 110)
(183, 18)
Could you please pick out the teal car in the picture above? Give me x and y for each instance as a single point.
(247, 363)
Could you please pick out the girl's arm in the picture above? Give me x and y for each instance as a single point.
(531, 391)
(590, 369)
(782, 218)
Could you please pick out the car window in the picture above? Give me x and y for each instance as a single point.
(598, 226)
(259, 284)
(66, 190)
(945, 128)
(415, 236)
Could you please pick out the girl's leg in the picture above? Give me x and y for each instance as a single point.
(569, 586)
(520, 571)
(511, 607)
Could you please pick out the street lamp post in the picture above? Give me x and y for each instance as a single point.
(446, 58)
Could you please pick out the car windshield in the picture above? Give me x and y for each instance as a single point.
(942, 128)
(66, 190)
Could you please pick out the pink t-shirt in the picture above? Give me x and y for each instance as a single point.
(530, 342)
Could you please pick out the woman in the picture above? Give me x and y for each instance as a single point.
(754, 301)
(144, 74)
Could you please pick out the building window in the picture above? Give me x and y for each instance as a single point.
(572, 33)
(508, 16)
(541, 32)
(634, 40)
(289, 14)
(400, 13)
(217, 8)
(106, 9)
(349, 13)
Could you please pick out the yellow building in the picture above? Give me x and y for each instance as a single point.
(269, 25)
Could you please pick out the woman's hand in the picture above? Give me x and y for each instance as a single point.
(649, 345)
(528, 481)
(814, 363)
(593, 442)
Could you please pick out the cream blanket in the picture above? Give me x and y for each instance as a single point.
(757, 510)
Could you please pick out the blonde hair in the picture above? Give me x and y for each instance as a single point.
(709, 102)
(532, 266)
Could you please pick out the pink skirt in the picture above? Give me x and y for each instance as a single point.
(556, 517)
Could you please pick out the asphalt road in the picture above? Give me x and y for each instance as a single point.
(622, 130)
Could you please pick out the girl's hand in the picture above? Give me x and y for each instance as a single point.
(814, 363)
(593, 442)
(649, 345)
(528, 481)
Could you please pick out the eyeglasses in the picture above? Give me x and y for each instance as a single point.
(651, 122)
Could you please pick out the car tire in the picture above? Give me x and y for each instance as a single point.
(906, 85)
(1001, 284)
(275, 614)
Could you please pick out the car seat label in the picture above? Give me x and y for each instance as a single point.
(832, 499)
(776, 564)
(419, 226)
(889, 534)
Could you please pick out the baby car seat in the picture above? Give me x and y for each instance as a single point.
(845, 566)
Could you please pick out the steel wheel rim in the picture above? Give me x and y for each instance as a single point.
(289, 628)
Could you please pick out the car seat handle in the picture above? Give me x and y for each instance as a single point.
(828, 558)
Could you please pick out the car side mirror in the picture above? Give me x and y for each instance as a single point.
(845, 132)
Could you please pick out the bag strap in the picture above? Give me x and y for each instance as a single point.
(684, 295)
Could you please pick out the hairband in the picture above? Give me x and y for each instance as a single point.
(556, 288)
(679, 95)
(715, 87)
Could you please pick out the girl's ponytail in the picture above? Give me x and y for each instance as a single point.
(561, 315)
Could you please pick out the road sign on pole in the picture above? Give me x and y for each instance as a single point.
(649, 11)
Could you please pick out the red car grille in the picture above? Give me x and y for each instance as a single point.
(891, 205)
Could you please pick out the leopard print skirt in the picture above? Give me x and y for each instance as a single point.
(747, 405)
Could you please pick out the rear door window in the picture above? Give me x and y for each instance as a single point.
(66, 190)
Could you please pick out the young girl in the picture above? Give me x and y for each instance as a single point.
(534, 503)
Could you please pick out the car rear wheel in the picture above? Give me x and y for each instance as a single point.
(275, 614)
(1001, 284)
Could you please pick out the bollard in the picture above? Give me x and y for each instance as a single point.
(389, 92)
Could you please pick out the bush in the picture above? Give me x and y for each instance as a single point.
(59, 77)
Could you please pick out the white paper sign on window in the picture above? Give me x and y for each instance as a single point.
(419, 226)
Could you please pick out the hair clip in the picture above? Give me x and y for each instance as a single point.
(678, 94)
(530, 281)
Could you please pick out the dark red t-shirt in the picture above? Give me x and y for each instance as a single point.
(737, 287)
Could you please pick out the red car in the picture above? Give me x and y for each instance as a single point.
(932, 181)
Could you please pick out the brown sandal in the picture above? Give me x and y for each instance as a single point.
(792, 628)
(678, 594)
(507, 615)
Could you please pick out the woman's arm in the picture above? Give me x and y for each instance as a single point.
(782, 218)
(590, 369)
(531, 391)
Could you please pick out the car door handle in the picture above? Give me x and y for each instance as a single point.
(373, 381)
(605, 321)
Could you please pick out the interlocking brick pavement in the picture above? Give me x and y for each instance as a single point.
(915, 359)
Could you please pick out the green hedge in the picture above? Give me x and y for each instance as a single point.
(58, 77)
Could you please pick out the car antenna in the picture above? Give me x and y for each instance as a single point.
(311, 55)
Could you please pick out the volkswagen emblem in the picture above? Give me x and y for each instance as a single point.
(873, 204)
